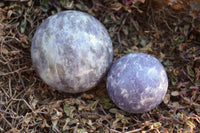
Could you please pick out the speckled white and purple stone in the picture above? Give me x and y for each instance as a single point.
(71, 51)
(137, 82)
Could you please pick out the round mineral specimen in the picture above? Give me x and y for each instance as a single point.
(137, 82)
(71, 51)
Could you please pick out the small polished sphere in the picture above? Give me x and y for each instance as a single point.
(137, 82)
(71, 51)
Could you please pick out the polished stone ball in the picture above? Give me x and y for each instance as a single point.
(71, 51)
(137, 82)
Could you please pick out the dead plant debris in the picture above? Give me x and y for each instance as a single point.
(166, 29)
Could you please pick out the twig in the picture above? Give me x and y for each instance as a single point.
(2, 117)
(12, 72)
(168, 26)
(24, 102)
(4, 92)
(113, 130)
(2, 48)
(20, 73)
(7, 112)
(75, 130)
(135, 131)
(57, 130)
(6, 59)
(10, 88)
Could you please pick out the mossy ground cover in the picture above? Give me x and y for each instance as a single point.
(168, 31)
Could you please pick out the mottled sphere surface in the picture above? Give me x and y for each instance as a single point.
(71, 51)
(137, 82)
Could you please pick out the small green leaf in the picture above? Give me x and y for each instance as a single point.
(111, 31)
(175, 104)
(44, 5)
(71, 122)
(78, 102)
(120, 116)
(107, 19)
(113, 110)
(143, 42)
(82, 7)
(156, 125)
(23, 26)
(108, 105)
(181, 38)
(175, 93)
(178, 39)
(125, 30)
(18, 9)
(197, 24)
(167, 63)
(81, 131)
(186, 27)
(104, 100)
(67, 120)
(174, 80)
(69, 110)
(190, 71)
(94, 105)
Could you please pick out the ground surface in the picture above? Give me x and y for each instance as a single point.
(169, 31)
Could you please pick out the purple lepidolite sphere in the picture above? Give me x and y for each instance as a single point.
(137, 82)
(71, 51)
